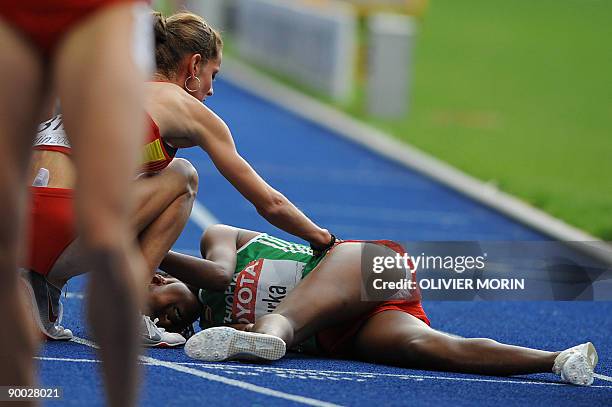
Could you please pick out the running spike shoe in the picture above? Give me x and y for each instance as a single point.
(575, 365)
(47, 309)
(154, 336)
(225, 343)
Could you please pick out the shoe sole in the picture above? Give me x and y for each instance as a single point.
(588, 359)
(224, 343)
(36, 316)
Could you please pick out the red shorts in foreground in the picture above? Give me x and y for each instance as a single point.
(45, 22)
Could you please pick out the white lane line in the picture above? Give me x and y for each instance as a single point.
(202, 216)
(602, 377)
(375, 374)
(224, 380)
(331, 373)
(85, 342)
(238, 383)
(72, 360)
(48, 358)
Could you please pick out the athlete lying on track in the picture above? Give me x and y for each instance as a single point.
(279, 295)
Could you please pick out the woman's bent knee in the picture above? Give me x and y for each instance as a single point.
(189, 174)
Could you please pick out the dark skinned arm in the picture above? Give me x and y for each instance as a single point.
(215, 270)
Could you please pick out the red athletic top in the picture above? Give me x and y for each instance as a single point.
(157, 154)
(45, 22)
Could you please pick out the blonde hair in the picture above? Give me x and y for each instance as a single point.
(182, 34)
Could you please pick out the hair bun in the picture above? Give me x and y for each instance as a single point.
(159, 27)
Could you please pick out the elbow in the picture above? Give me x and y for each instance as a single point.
(223, 279)
(274, 207)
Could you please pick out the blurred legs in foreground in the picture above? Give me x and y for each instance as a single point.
(21, 73)
(101, 89)
(100, 82)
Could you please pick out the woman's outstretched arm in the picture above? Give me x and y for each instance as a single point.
(216, 139)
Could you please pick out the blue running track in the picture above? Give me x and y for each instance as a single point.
(356, 194)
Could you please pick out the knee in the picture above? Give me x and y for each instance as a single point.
(189, 175)
(478, 343)
(430, 347)
(442, 350)
(416, 346)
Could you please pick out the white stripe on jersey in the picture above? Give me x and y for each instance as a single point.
(293, 248)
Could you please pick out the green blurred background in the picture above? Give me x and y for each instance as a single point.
(517, 93)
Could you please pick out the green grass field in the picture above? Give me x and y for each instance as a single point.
(519, 93)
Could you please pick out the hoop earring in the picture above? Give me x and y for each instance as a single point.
(197, 79)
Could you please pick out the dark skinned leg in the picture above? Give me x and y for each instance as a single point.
(399, 339)
(330, 294)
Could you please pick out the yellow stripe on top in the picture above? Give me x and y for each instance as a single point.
(153, 152)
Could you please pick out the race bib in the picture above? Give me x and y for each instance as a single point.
(261, 286)
(51, 133)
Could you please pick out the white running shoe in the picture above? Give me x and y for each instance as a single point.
(575, 365)
(47, 308)
(154, 336)
(224, 343)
